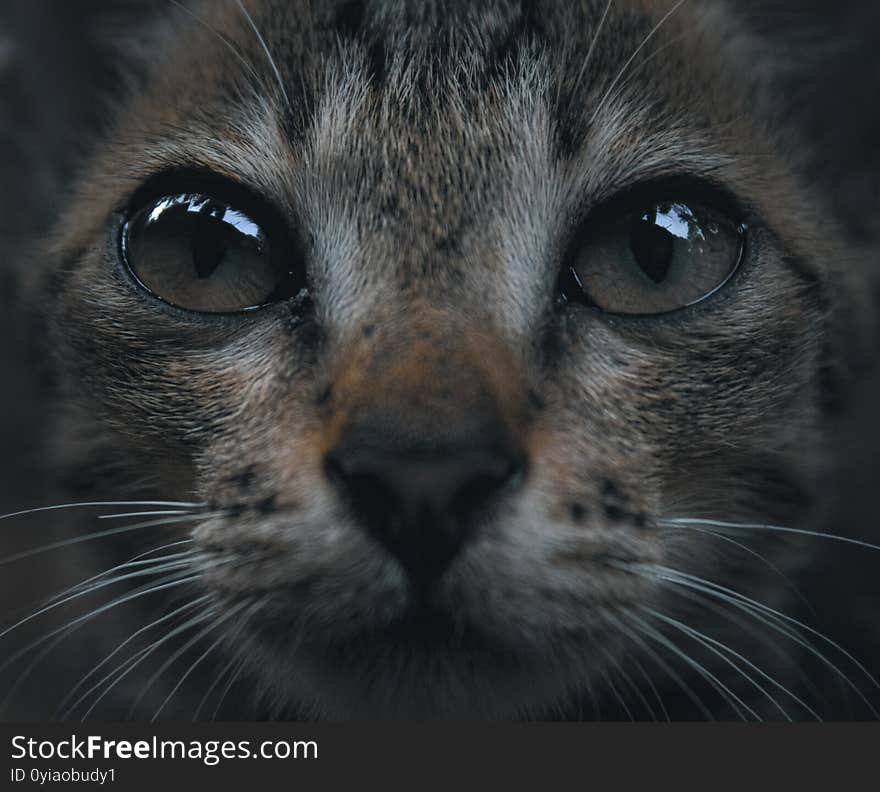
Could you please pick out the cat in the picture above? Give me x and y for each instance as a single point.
(438, 359)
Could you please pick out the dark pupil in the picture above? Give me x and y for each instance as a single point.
(209, 238)
(652, 246)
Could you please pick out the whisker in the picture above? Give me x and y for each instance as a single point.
(166, 583)
(86, 504)
(84, 679)
(593, 43)
(192, 668)
(627, 679)
(632, 58)
(129, 664)
(651, 686)
(716, 606)
(801, 641)
(717, 646)
(228, 686)
(141, 514)
(778, 614)
(132, 562)
(794, 589)
(138, 658)
(226, 42)
(134, 661)
(726, 693)
(269, 57)
(215, 623)
(218, 678)
(99, 535)
(654, 54)
(778, 528)
(664, 666)
(214, 684)
(23, 676)
(41, 656)
(198, 661)
(116, 672)
(771, 618)
(620, 700)
(96, 587)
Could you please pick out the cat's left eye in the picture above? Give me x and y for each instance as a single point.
(202, 253)
(654, 258)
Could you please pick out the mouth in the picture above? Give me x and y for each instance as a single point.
(424, 665)
(418, 625)
(424, 627)
(395, 618)
(377, 646)
(423, 633)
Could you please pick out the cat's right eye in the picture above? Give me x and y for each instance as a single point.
(653, 258)
(203, 254)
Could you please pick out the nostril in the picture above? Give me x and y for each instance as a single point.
(368, 492)
(446, 486)
(421, 506)
(495, 475)
(335, 468)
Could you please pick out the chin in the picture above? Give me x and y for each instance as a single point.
(412, 676)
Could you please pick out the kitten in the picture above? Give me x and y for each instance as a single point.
(458, 360)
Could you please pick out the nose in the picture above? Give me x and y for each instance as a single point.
(420, 503)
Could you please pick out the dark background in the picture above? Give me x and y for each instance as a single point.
(58, 79)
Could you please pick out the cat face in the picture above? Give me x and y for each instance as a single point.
(445, 311)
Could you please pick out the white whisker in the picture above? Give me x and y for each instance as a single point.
(213, 686)
(42, 655)
(593, 43)
(778, 614)
(760, 527)
(99, 535)
(652, 687)
(627, 680)
(665, 667)
(725, 692)
(143, 655)
(87, 504)
(620, 700)
(717, 646)
(215, 623)
(132, 562)
(269, 57)
(768, 616)
(227, 687)
(198, 662)
(632, 58)
(226, 42)
(760, 557)
(141, 514)
(166, 567)
(83, 680)
(143, 591)
(716, 606)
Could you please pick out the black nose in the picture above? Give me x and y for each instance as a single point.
(420, 503)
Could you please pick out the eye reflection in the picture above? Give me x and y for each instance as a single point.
(677, 219)
(199, 204)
